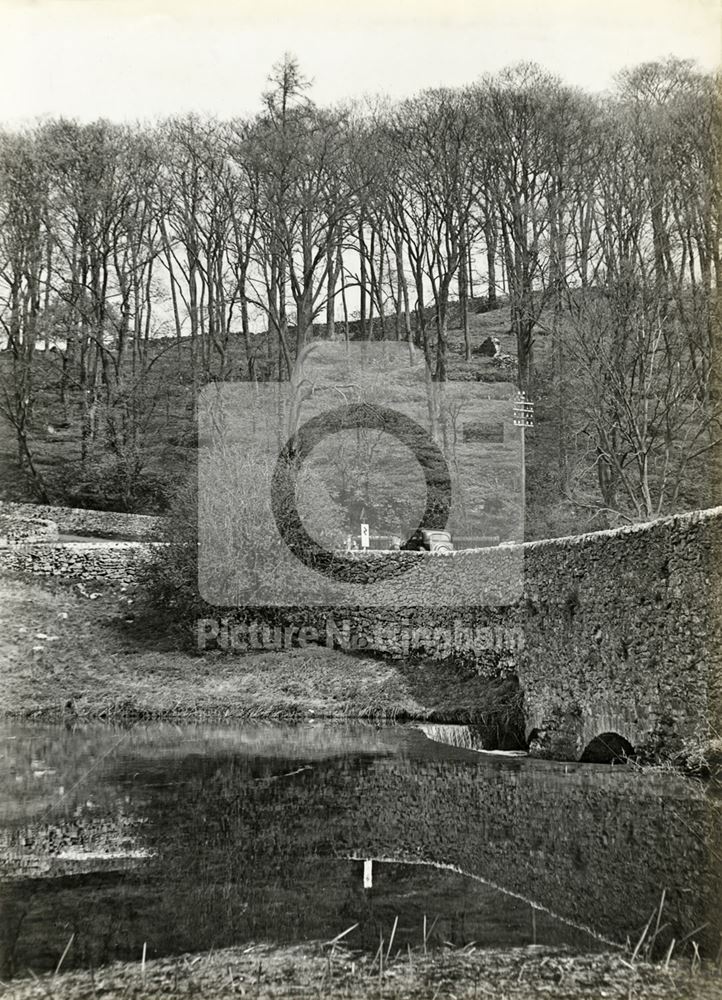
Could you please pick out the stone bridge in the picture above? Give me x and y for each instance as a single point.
(614, 636)
(623, 635)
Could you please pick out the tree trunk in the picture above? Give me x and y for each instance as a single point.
(490, 235)
(463, 298)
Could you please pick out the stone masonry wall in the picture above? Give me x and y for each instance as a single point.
(78, 521)
(623, 633)
(21, 530)
(612, 632)
(116, 562)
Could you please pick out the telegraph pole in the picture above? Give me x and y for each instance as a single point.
(523, 418)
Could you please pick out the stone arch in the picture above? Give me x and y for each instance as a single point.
(607, 748)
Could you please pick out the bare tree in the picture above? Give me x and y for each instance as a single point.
(24, 242)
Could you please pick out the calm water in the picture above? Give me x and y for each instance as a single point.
(187, 838)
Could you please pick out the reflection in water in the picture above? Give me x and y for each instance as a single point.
(186, 838)
(466, 737)
(442, 866)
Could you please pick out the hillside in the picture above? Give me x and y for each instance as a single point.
(166, 446)
(143, 475)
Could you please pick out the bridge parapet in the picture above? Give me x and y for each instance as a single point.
(623, 634)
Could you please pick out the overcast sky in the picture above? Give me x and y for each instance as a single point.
(141, 58)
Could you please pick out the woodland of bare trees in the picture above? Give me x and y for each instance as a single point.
(139, 262)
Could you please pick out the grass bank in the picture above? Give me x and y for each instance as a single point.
(329, 971)
(71, 651)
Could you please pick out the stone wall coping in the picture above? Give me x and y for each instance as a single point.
(686, 518)
(11, 520)
(12, 508)
(88, 521)
(24, 508)
(101, 544)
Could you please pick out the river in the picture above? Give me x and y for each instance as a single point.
(171, 838)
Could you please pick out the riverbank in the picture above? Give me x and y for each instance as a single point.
(78, 652)
(330, 971)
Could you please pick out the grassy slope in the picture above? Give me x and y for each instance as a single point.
(169, 433)
(95, 655)
(316, 970)
(170, 427)
(105, 665)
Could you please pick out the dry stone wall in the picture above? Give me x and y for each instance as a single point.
(110, 562)
(21, 530)
(78, 521)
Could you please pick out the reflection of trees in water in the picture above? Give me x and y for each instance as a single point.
(242, 853)
(38, 916)
(593, 846)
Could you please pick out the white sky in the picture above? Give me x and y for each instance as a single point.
(140, 58)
